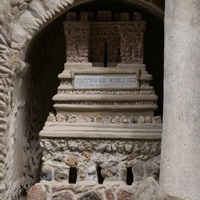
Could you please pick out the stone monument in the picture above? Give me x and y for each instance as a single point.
(104, 134)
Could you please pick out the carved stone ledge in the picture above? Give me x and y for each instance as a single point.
(103, 131)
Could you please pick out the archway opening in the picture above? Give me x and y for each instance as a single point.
(48, 55)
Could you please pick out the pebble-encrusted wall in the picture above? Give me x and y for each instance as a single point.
(147, 189)
(97, 157)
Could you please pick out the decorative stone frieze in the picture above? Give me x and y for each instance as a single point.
(104, 119)
(105, 92)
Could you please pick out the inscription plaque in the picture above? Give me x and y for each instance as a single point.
(105, 81)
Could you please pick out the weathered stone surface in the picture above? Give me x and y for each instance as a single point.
(90, 196)
(72, 161)
(61, 174)
(176, 198)
(109, 195)
(146, 190)
(112, 156)
(152, 168)
(138, 170)
(125, 194)
(62, 187)
(36, 192)
(64, 196)
(149, 190)
(180, 164)
(46, 173)
(41, 13)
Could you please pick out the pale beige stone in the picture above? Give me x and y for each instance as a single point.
(180, 163)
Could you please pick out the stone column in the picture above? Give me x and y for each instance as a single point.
(180, 162)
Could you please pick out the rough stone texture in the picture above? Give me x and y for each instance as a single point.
(90, 196)
(63, 196)
(145, 190)
(86, 121)
(180, 166)
(57, 188)
(112, 156)
(149, 190)
(124, 41)
(125, 194)
(20, 21)
(6, 139)
(37, 192)
(109, 195)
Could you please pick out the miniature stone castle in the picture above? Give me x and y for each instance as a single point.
(104, 130)
(32, 51)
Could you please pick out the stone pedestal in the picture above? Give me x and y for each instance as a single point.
(104, 126)
(180, 160)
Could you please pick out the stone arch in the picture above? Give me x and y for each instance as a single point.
(18, 28)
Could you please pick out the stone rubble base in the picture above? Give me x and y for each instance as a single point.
(144, 190)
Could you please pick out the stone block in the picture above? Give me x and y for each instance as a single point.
(72, 161)
(71, 16)
(46, 173)
(61, 174)
(137, 16)
(149, 190)
(36, 192)
(104, 15)
(109, 195)
(61, 188)
(125, 194)
(86, 16)
(64, 196)
(124, 16)
(117, 16)
(90, 196)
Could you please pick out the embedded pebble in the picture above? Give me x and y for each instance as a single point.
(91, 170)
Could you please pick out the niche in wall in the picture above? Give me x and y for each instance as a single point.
(47, 55)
